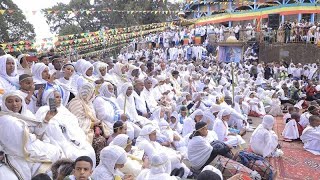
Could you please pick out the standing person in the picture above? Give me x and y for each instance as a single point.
(237, 31)
(287, 30)
(254, 70)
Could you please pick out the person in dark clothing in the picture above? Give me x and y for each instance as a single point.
(287, 29)
(254, 70)
(268, 72)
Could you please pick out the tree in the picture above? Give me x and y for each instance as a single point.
(85, 17)
(13, 24)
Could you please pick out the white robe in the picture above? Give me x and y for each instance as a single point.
(151, 148)
(199, 151)
(32, 105)
(64, 131)
(15, 147)
(263, 141)
(311, 139)
(105, 110)
(290, 130)
(222, 130)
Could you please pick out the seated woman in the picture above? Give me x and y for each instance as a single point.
(256, 105)
(135, 162)
(43, 78)
(106, 106)
(292, 129)
(190, 122)
(119, 127)
(23, 150)
(167, 136)
(101, 71)
(119, 74)
(275, 104)
(112, 158)
(5, 171)
(200, 151)
(264, 141)
(127, 105)
(86, 75)
(147, 142)
(311, 135)
(81, 106)
(175, 123)
(9, 79)
(221, 128)
(63, 129)
(160, 169)
(65, 82)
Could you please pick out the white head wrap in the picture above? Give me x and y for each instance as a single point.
(120, 140)
(37, 70)
(12, 78)
(160, 163)
(213, 169)
(268, 121)
(86, 92)
(13, 93)
(215, 108)
(112, 155)
(223, 112)
(103, 90)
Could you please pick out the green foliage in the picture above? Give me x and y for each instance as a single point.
(79, 16)
(13, 24)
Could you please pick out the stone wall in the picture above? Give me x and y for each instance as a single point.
(298, 53)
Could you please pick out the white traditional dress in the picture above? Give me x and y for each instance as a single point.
(222, 130)
(264, 140)
(25, 152)
(63, 130)
(109, 157)
(311, 139)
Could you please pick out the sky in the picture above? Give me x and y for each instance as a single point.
(38, 21)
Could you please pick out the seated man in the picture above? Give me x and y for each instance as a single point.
(264, 141)
(311, 135)
(292, 129)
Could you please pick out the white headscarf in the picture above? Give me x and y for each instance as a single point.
(109, 157)
(160, 164)
(24, 114)
(120, 140)
(13, 93)
(223, 112)
(268, 121)
(197, 112)
(13, 78)
(37, 70)
(97, 67)
(117, 69)
(145, 132)
(103, 90)
(85, 65)
(77, 65)
(215, 108)
(213, 169)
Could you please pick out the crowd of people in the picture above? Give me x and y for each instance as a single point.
(161, 113)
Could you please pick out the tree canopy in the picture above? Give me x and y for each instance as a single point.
(80, 16)
(13, 25)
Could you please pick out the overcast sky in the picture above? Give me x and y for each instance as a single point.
(42, 29)
(38, 20)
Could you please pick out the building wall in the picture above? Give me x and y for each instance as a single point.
(298, 53)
